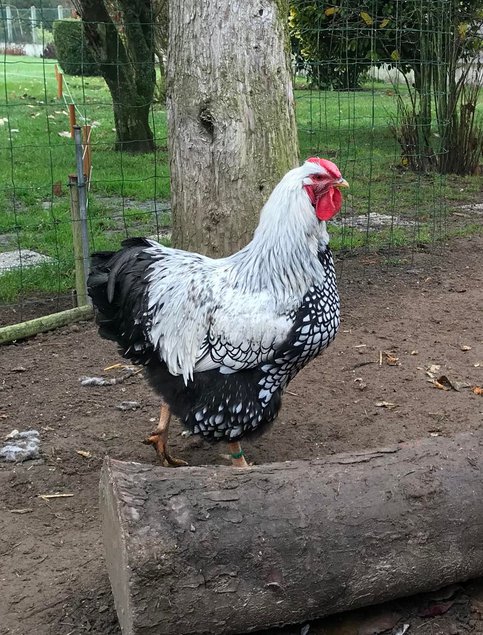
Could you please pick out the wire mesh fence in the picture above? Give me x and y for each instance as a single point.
(363, 99)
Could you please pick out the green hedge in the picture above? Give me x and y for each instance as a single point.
(72, 52)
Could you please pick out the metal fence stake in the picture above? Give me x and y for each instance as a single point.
(82, 193)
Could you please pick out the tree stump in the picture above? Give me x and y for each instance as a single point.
(226, 550)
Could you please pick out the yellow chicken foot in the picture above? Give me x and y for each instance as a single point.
(236, 455)
(159, 439)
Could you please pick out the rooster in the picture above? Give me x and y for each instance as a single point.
(221, 339)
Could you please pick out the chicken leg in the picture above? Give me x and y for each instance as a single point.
(236, 455)
(159, 438)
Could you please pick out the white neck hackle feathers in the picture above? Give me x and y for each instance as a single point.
(282, 257)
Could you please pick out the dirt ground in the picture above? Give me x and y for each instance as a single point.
(371, 388)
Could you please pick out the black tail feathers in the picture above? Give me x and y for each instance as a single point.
(116, 285)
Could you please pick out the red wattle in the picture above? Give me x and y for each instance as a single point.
(310, 192)
(329, 204)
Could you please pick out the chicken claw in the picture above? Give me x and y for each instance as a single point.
(159, 438)
(161, 448)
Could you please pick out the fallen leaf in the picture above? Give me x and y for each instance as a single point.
(432, 610)
(449, 384)
(84, 453)
(465, 348)
(386, 404)
(391, 359)
(437, 385)
(478, 390)
(414, 352)
(64, 133)
(25, 510)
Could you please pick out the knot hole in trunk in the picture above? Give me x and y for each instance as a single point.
(207, 120)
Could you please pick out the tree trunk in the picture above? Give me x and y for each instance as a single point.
(123, 45)
(161, 44)
(133, 133)
(226, 550)
(232, 132)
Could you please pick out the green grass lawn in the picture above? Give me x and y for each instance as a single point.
(127, 192)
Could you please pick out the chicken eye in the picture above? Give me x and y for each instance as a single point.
(317, 177)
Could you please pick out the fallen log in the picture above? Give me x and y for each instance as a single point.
(46, 323)
(226, 550)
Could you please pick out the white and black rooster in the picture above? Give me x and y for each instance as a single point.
(221, 339)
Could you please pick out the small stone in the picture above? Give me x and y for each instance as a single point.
(128, 405)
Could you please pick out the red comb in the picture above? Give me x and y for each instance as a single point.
(331, 168)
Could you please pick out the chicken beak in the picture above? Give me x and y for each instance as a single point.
(341, 183)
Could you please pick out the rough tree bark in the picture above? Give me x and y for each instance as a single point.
(223, 550)
(232, 132)
(121, 40)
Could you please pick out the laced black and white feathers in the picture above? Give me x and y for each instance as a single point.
(221, 339)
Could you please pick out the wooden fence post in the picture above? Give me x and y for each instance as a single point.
(80, 274)
(58, 77)
(72, 121)
(87, 156)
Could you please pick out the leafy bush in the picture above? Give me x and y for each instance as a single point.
(446, 93)
(333, 45)
(72, 53)
(43, 36)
